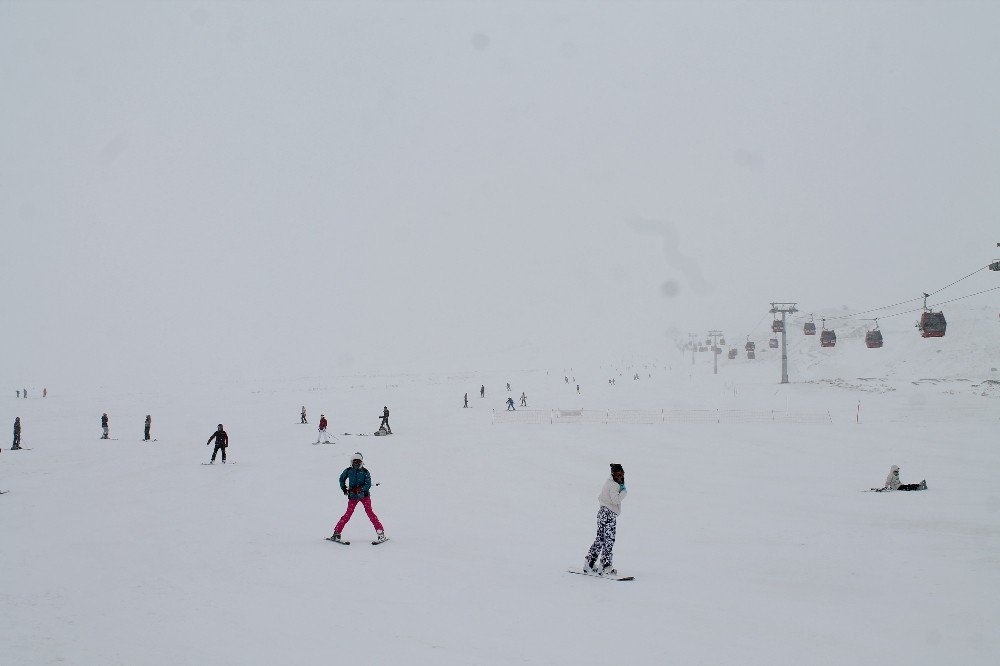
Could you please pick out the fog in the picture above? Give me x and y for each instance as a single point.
(230, 190)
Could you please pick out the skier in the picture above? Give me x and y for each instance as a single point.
(482, 391)
(578, 389)
(510, 405)
(566, 379)
(356, 483)
(322, 430)
(45, 393)
(466, 405)
(17, 434)
(304, 415)
(610, 498)
(508, 387)
(221, 443)
(892, 482)
(104, 425)
(145, 431)
(18, 394)
(524, 399)
(24, 392)
(385, 420)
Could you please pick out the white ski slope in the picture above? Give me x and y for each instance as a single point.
(750, 543)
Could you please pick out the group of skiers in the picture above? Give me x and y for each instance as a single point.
(323, 437)
(23, 393)
(509, 402)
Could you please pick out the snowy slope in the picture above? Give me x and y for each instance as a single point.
(751, 543)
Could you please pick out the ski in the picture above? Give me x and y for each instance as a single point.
(375, 543)
(228, 462)
(594, 575)
(21, 448)
(342, 543)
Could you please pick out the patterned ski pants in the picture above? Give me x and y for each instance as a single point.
(605, 541)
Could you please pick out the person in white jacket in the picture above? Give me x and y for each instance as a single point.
(611, 497)
(892, 482)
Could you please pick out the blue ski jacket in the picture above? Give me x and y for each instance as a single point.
(359, 482)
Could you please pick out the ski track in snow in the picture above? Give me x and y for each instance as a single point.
(750, 543)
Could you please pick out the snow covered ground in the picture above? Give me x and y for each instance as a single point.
(750, 542)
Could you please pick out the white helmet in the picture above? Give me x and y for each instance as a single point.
(357, 456)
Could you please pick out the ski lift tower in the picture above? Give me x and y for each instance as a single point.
(716, 350)
(784, 309)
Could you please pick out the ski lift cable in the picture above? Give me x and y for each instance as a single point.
(854, 315)
(952, 300)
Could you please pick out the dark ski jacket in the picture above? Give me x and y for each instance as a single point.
(104, 421)
(322, 423)
(359, 482)
(220, 437)
(17, 426)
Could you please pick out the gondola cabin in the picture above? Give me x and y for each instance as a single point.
(750, 354)
(827, 339)
(873, 339)
(932, 325)
(749, 346)
(777, 326)
(773, 343)
(809, 328)
(732, 353)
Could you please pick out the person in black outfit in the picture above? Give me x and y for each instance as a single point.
(385, 420)
(304, 415)
(482, 391)
(104, 425)
(466, 405)
(221, 442)
(17, 434)
(149, 422)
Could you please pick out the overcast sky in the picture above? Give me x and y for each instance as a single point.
(283, 189)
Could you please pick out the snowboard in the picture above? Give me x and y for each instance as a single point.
(594, 575)
(342, 543)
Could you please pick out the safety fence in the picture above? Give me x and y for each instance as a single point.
(649, 416)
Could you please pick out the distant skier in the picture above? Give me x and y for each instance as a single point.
(892, 482)
(611, 497)
(18, 394)
(145, 430)
(578, 389)
(24, 392)
(303, 415)
(466, 405)
(322, 434)
(17, 434)
(524, 399)
(45, 393)
(104, 425)
(356, 483)
(510, 405)
(221, 443)
(566, 379)
(482, 391)
(508, 387)
(385, 420)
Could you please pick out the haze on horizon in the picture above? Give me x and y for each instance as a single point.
(282, 189)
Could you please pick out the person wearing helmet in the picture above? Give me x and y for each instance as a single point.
(322, 434)
(356, 483)
(104, 425)
(385, 420)
(611, 497)
(221, 443)
(17, 434)
(892, 482)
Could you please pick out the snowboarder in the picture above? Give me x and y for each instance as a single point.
(356, 483)
(611, 497)
(482, 391)
(322, 434)
(104, 425)
(385, 420)
(892, 482)
(221, 443)
(466, 405)
(304, 415)
(510, 405)
(145, 430)
(17, 434)
(524, 399)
